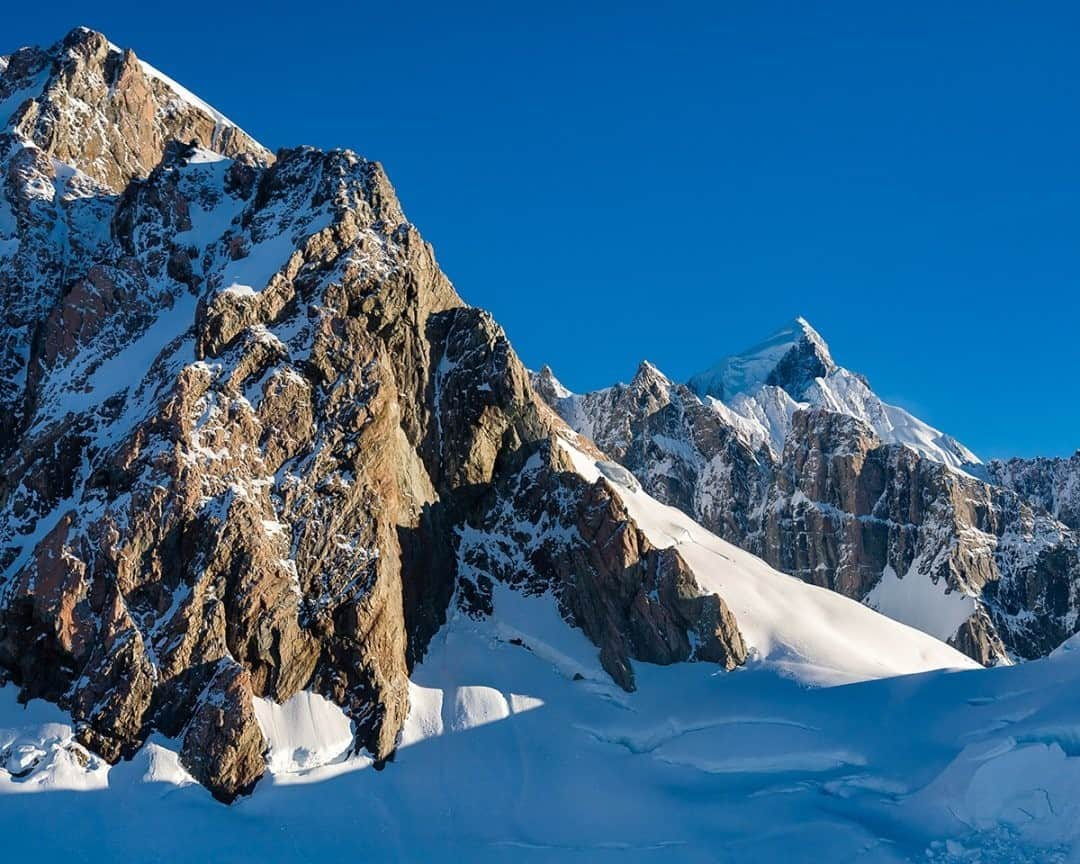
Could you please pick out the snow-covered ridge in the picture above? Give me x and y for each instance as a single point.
(812, 634)
(757, 391)
(185, 94)
(179, 89)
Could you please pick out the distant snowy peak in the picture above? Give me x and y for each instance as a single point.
(794, 369)
(791, 358)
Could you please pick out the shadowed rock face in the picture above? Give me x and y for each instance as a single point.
(247, 423)
(839, 508)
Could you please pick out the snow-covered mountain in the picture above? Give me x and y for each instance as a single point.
(278, 509)
(793, 369)
(256, 445)
(794, 458)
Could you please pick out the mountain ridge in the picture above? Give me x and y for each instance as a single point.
(278, 510)
(250, 429)
(842, 489)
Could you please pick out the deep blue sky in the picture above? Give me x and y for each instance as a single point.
(675, 181)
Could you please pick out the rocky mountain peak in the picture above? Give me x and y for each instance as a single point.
(792, 358)
(549, 387)
(650, 379)
(247, 428)
(103, 111)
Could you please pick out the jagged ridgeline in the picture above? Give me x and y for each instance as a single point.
(253, 441)
(794, 458)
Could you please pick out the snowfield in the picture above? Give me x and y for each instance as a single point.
(507, 756)
(519, 747)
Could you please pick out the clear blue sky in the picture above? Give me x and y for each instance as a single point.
(674, 181)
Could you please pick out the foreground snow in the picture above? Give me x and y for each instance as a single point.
(518, 745)
(506, 755)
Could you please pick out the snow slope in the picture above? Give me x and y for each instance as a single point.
(812, 634)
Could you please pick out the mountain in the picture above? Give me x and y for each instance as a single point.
(282, 516)
(786, 454)
(793, 369)
(247, 419)
(256, 446)
(1051, 484)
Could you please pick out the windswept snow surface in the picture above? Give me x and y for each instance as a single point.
(527, 752)
(920, 602)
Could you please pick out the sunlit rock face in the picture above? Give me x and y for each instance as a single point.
(246, 422)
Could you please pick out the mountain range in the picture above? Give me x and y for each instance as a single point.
(796, 459)
(285, 521)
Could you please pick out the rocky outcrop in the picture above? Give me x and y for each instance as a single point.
(549, 530)
(248, 423)
(1050, 484)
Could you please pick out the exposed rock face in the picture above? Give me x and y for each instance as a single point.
(802, 478)
(80, 121)
(222, 746)
(1050, 484)
(550, 530)
(683, 452)
(88, 104)
(845, 509)
(248, 423)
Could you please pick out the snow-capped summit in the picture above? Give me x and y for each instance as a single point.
(797, 360)
(791, 358)
(99, 108)
(785, 453)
